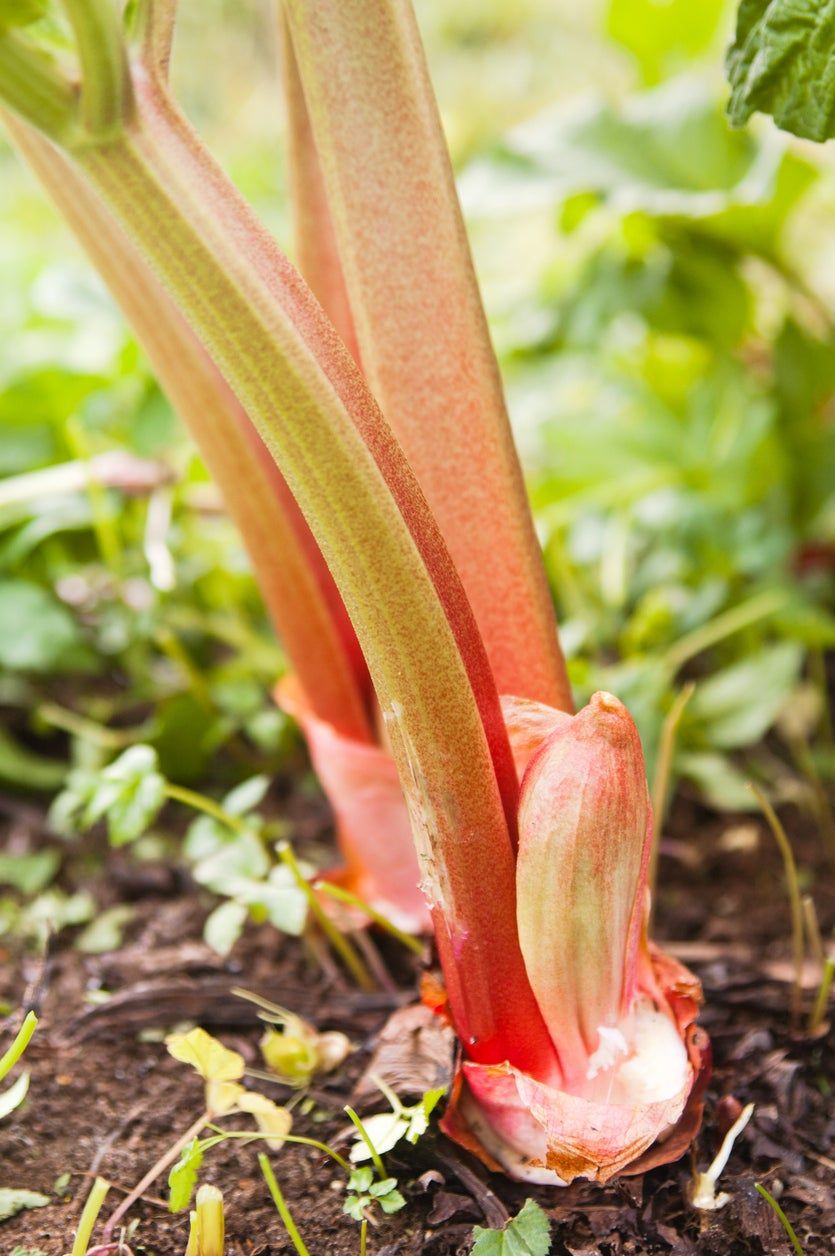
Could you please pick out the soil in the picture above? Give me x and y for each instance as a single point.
(106, 1098)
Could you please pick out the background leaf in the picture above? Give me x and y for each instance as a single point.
(526, 1234)
(781, 63)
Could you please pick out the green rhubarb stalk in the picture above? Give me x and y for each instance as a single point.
(422, 333)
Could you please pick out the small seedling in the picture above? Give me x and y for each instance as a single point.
(296, 1051)
(386, 1129)
(13, 1097)
(221, 1070)
(366, 1191)
(89, 1216)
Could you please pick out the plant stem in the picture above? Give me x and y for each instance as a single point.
(818, 1012)
(22, 1039)
(245, 1136)
(422, 333)
(105, 87)
(338, 941)
(299, 592)
(781, 1216)
(90, 730)
(363, 1236)
(153, 1173)
(375, 1155)
(724, 625)
(346, 896)
(795, 901)
(300, 388)
(89, 1216)
(813, 931)
(33, 88)
(199, 802)
(284, 1211)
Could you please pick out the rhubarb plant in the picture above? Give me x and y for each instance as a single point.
(580, 1054)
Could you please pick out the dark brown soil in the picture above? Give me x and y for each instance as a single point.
(106, 1098)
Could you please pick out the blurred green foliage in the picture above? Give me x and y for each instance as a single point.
(669, 353)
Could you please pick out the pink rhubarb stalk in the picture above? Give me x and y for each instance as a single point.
(580, 1052)
(419, 321)
(620, 1016)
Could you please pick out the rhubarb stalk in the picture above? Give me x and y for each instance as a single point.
(301, 389)
(419, 321)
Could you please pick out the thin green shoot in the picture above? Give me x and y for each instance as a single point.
(283, 1210)
(346, 896)
(818, 1013)
(663, 771)
(375, 1155)
(795, 901)
(347, 953)
(200, 802)
(89, 730)
(757, 608)
(781, 1216)
(89, 1216)
(363, 1236)
(813, 931)
(248, 1136)
(21, 1042)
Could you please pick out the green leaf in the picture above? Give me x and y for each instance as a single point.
(738, 705)
(663, 33)
(104, 933)
(781, 63)
(209, 1057)
(224, 925)
(25, 770)
(29, 873)
(14, 1201)
(391, 1202)
(129, 793)
(668, 153)
(722, 784)
(183, 1177)
(13, 1097)
(361, 1179)
(21, 12)
(246, 796)
(526, 1234)
(37, 633)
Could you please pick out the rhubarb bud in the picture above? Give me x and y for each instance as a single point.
(619, 1014)
(584, 820)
